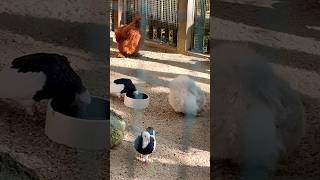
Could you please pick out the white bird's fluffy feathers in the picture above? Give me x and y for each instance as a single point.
(115, 89)
(185, 96)
(257, 115)
(20, 86)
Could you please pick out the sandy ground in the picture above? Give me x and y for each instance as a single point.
(85, 11)
(287, 33)
(152, 72)
(23, 138)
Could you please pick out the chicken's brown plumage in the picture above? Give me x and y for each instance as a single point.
(128, 38)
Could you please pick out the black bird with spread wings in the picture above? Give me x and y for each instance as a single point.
(35, 77)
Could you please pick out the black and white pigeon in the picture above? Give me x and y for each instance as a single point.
(145, 144)
(35, 77)
(123, 86)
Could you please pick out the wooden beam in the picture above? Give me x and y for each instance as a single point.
(185, 23)
(117, 7)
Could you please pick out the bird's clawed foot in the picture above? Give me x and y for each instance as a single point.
(136, 55)
(139, 158)
(121, 98)
(37, 112)
(145, 162)
(30, 110)
(143, 159)
(120, 55)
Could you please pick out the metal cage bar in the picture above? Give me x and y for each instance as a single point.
(160, 15)
(201, 29)
(161, 24)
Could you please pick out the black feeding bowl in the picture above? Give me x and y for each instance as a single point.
(84, 129)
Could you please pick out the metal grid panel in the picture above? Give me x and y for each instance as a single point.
(201, 30)
(111, 17)
(161, 18)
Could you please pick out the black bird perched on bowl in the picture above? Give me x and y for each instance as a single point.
(145, 144)
(124, 85)
(35, 77)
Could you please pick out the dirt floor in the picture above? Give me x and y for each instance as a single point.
(288, 33)
(23, 139)
(152, 72)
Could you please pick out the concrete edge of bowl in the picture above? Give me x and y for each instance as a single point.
(76, 133)
(136, 103)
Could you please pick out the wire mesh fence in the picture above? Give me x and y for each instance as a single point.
(160, 15)
(161, 23)
(201, 28)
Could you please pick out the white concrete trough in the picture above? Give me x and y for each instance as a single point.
(137, 101)
(88, 130)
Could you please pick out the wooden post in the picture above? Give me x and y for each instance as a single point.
(116, 12)
(185, 23)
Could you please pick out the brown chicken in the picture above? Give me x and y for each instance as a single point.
(128, 38)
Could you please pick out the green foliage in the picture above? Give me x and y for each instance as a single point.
(117, 129)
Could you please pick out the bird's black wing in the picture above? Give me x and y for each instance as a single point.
(128, 85)
(150, 148)
(122, 81)
(37, 62)
(138, 143)
(138, 146)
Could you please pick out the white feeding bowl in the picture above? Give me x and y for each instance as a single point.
(140, 101)
(88, 130)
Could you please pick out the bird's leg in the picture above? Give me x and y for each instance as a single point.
(32, 109)
(29, 110)
(121, 97)
(28, 104)
(38, 113)
(120, 55)
(35, 112)
(139, 157)
(145, 159)
(135, 55)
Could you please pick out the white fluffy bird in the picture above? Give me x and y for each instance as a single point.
(257, 116)
(185, 96)
(34, 77)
